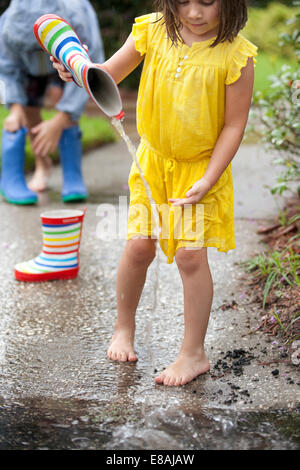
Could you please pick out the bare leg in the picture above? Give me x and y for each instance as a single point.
(198, 294)
(39, 180)
(131, 276)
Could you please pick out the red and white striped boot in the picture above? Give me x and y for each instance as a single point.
(59, 258)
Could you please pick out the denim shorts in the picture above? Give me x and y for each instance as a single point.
(36, 88)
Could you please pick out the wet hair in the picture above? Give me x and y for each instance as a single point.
(233, 17)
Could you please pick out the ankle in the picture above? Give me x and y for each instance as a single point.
(43, 164)
(127, 326)
(189, 350)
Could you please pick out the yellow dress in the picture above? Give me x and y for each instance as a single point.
(180, 115)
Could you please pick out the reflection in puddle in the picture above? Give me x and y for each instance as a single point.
(169, 429)
(79, 424)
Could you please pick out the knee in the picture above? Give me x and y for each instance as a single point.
(33, 116)
(189, 261)
(141, 251)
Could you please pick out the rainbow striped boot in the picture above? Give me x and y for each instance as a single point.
(56, 36)
(59, 258)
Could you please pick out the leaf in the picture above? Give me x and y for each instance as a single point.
(279, 321)
(268, 286)
(294, 218)
(292, 322)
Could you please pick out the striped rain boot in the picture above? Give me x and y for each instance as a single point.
(57, 37)
(59, 258)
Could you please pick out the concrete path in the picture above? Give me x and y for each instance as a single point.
(54, 335)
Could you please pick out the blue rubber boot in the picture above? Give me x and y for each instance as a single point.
(70, 151)
(13, 185)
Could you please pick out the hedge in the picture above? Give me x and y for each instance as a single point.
(116, 17)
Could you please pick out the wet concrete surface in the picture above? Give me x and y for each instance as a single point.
(58, 390)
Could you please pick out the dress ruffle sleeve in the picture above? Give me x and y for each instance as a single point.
(239, 59)
(140, 33)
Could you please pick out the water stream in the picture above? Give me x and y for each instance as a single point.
(132, 150)
(157, 233)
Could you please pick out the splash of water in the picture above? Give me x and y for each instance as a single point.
(132, 150)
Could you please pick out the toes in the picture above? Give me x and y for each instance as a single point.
(108, 354)
(167, 380)
(172, 380)
(186, 380)
(132, 357)
(178, 381)
(114, 356)
(122, 356)
(160, 378)
(111, 354)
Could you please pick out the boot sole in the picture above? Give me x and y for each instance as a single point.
(23, 202)
(74, 198)
(56, 276)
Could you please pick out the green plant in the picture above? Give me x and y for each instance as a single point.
(264, 3)
(279, 321)
(269, 64)
(264, 27)
(116, 18)
(275, 267)
(278, 113)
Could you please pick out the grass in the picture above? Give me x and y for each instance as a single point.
(96, 132)
(268, 65)
(278, 274)
(275, 267)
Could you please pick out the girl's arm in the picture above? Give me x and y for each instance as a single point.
(124, 61)
(121, 64)
(238, 102)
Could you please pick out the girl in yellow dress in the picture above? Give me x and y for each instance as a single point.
(193, 104)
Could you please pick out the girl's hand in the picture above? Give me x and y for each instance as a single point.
(62, 71)
(64, 74)
(195, 194)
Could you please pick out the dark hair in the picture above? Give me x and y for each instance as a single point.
(233, 17)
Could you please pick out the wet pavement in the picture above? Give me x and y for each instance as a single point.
(58, 390)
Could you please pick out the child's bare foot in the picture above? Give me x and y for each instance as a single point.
(39, 180)
(121, 346)
(184, 369)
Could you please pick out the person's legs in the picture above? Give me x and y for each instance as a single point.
(136, 258)
(39, 180)
(198, 294)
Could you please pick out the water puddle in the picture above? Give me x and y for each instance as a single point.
(83, 425)
(172, 429)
